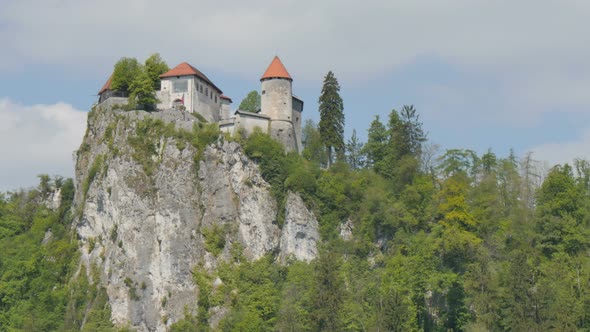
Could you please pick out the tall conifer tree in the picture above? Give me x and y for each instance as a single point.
(332, 117)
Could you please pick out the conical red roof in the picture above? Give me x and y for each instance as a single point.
(276, 69)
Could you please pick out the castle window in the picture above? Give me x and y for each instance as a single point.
(216, 99)
(206, 91)
(263, 91)
(201, 88)
(180, 86)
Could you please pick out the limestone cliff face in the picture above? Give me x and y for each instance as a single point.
(143, 219)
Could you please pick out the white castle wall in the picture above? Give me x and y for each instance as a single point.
(207, 103)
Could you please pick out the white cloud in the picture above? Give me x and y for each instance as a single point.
(37, 139)
(534, 54)
(353, 38)
(516, 60)
(564, 152)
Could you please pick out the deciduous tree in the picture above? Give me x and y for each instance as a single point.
(125, 71)
(251, 103)
(154, 67)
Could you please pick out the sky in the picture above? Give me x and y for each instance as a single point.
(496, 75)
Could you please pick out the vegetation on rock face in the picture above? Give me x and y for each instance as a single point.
(150, 134)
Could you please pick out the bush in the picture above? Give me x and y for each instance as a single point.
(214, 239)
(270, 156)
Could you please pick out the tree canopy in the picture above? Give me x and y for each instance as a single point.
(251, 103)
(140, 82)
(125, 71)
(154, 67)
(331, 124)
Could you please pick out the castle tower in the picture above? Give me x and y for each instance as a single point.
(276, 101)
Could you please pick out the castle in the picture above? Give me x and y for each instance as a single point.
(186, 88)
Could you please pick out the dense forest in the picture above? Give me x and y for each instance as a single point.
(412, 239)
(458, 242)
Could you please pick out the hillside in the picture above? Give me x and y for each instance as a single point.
(174, 226)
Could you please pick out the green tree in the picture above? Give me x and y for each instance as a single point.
(456, 161)
(459, 242)
(328, 291)
(331, 110)
(154, 67)
(562, 224)
(44, 184)
(520, 303)
(251, 103)
(296, 310)
(411, 132)
(313, 148)
(401, 162)
(354, 154)
(376, 146)
(125, 72)
(142, 91)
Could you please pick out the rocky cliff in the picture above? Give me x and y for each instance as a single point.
(159, 195)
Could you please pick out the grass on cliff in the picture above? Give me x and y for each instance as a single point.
(97, 166)
(151, 135)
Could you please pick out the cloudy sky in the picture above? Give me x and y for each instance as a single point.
(482, 74)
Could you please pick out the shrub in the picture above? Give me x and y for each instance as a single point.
(214, 239)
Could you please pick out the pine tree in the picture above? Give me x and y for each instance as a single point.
(375, 148)
(328, 292)
(353, 152)
(332, 117)
(413, 133)
(405, 134)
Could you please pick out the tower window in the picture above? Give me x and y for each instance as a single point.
(263, 91)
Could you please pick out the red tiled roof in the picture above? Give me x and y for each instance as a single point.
(276, 69)
(184, 69)
(107, 85)
(226, 98)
